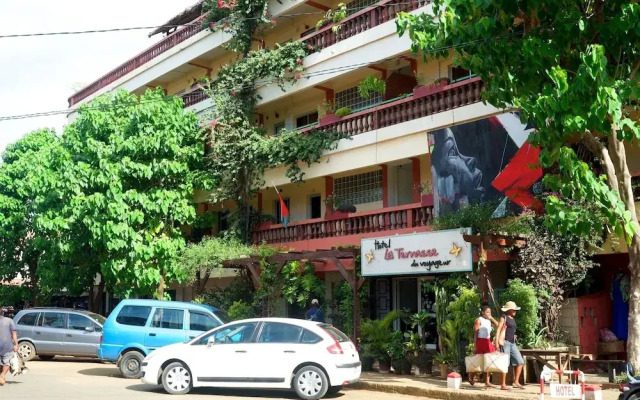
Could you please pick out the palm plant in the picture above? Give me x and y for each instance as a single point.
(377, 334)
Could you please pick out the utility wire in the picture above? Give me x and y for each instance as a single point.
(257, 84)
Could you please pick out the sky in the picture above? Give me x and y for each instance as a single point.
(38, 74)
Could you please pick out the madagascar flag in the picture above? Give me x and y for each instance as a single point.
(284, 212)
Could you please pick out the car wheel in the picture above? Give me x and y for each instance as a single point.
(46, 358)
(334, 390)
(176, 378)
(310, 383)
(130, 365)
(27, 351)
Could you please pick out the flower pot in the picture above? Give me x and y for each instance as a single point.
(426, 200)
(420, 91)
(384, 366)
(329, 119)
(443, 370)
(367, 364)
(401, 366)
(337, 215)
(424, 362)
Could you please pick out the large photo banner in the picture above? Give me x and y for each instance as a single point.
(484, 160)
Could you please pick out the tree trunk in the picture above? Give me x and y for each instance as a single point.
(633, 342)
(33, 278)
(98, 300)
(161, 284)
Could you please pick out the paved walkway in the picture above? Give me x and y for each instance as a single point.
(436, 388)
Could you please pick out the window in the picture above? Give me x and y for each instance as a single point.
(351, 98)
(278, 128)
(80, 323)
(336, 333)
(280, 333)
(279, 211)
(309, 337)
(133, 315)
(457, 74)
(315, 205)
(237, 333)
(52, 320)
(201, 322)
(28, 319)
(222, 316)
(168, 318)
(358, 5)
(307, 119)
(359, 189)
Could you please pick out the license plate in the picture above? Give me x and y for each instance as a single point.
(565, 391)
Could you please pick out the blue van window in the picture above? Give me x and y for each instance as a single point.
(201, 322)
(168, 318)
(133, 315)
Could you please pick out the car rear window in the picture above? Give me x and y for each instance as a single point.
(133, 315)
(99, 318)
(28, 319)
(336, 333)
(309, 337)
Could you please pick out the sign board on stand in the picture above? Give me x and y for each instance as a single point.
(565, 391)
(418, 253)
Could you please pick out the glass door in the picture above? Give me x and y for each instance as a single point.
(406, 298)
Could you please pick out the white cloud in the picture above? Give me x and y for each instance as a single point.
(39, 73)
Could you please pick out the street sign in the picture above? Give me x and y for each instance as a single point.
(565, 391)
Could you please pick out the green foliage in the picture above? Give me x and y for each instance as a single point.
(464, 311)
(527, 319)
(240, 290)
(343, 112)
(133, 166)
(377, 335)
(210, 253)
(479, 217)
(15, 296)
(326, 107)
(241, 310)
(301, 283)
(342, 305)
(396, 347)
(334, 16)
(370, 85)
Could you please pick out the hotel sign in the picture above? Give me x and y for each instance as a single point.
(419, 253)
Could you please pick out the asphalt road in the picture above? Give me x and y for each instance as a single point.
(66, 378)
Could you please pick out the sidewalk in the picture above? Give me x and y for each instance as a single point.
(436, 388)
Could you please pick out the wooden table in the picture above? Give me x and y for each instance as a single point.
(562, 358)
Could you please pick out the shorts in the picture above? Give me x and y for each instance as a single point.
(514, 352)
(5, 359)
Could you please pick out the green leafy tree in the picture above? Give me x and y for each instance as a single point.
(135, 163)
(571, 67)
(28, 197)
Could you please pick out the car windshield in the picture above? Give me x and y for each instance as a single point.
(223, 316)
(99, 318)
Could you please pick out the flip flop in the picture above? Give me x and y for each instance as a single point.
(471, 381)
(507, 388)
(519, 387)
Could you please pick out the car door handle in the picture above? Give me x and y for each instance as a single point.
(289, 351)
(152, 334)
(37, 333)
(241, 351)
(68, 335)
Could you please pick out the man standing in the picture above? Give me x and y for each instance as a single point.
(8, 344)
(314, 313)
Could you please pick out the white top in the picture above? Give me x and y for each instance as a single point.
(485, 328)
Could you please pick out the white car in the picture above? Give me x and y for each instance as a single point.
(273, 353)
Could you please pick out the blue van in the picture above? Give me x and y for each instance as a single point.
(137, 327)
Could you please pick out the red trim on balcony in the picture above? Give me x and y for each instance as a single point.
(316, 233)
(415, 173)
(328, 191)
(385, 185)
(149, 54)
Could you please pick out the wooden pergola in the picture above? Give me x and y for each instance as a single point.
(335, 256)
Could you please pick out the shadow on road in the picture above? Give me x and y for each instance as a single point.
(261, 393)
(110, 372)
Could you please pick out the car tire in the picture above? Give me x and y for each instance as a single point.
(131, 365)
(311, 383)
(46, 358)
(177, 379)
(27, 351)
(334, 390)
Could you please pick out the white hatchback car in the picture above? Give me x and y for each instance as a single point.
(312, 358)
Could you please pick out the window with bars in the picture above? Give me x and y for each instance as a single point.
(306, 119)
(359, 5)
(457, 74)
(278, 128)
(360, 188)
(351, 98)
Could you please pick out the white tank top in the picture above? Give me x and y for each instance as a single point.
(485, 328)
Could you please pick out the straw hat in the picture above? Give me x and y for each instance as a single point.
(510, 306)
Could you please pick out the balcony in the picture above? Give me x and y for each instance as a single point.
(152, 52)
(333, 231)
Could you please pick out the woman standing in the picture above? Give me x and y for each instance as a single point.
(506, 338)
(482, 339)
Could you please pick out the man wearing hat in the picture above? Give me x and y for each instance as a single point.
(506, 339)
(314, 313)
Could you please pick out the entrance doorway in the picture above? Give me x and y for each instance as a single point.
(406, 298)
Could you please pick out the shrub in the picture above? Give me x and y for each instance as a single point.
(343, 112)
(241, 310)
(527, 318)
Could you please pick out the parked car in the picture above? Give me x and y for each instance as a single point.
(312, 358)
(630, 390)
(50, 332)
(135, 328)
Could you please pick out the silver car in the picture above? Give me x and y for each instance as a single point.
(50, 332)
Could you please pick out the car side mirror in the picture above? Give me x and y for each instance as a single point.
(90, 329)
(211, 341)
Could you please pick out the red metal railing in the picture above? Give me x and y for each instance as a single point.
(432, 101)
(194, 97)
(361, 21)
(386, 219)
(152, 52)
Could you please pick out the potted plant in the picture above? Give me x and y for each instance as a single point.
(396, 349)
(371, 85)
(335, 207)
(376, 337)
(333, 16)
(343, 112)
(443, 360)
(424, 361)
(422, 90)
(426, 193)
(326, 113)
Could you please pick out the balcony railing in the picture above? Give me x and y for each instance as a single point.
(387, 219)
(429, 102)
(361, 21)
(194, 97)
(152, 52)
